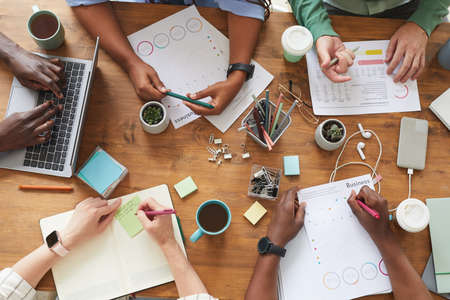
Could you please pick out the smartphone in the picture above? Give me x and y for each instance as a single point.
(412, 143)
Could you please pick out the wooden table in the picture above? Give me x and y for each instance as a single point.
(225, 263)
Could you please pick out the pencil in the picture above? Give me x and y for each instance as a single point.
(175, 95)
(266, 120)
(335, 60)
(46, 188)
(371, 211)
(280, 108)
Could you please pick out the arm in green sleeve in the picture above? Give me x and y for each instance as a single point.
(313, 15)
(430, 14)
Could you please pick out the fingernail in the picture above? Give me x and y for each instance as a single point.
(193, 95)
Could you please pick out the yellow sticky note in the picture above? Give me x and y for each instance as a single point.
(255, 213)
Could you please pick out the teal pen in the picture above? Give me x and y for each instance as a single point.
(267, 117)
(175, 95)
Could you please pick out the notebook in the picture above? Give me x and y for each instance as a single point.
(440, 241)
(429, 278)
(441, 108)
(112, 264)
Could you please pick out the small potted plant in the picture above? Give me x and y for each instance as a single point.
(153, 117)
(330, 134)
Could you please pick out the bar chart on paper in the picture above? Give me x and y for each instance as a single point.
(189, 54)
(370, 91)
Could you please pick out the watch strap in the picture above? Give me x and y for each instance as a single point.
(59, 249)
(248, 68)
(276, 250)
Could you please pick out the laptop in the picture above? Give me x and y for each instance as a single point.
(58, 156)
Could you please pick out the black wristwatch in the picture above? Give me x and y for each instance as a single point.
(249, 69)
(266, 246)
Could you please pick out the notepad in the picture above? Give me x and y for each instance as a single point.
(112, 264)
(127, 218)
(185, 187)
(440, 242)
(441, 108)
(291, 165)
(102, 172)
(255, 213)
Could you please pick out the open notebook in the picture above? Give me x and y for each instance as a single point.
(112, 264)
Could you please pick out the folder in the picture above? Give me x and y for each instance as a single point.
(440, 241)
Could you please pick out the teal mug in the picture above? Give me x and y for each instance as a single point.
(213, 218)
(45, 28)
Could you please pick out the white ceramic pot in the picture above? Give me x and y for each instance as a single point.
(156, 128)
(322, 141)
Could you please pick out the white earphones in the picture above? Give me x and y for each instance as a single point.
(365, 134)
(359, 147)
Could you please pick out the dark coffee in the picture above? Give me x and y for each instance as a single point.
(213, 217)
(44, 26)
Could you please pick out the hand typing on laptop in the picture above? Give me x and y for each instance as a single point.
(28, 128)
(31, 70)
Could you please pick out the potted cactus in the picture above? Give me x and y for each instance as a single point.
(330, 134)
(153, 117)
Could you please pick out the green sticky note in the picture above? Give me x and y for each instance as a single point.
(127, 218)
(185, 187)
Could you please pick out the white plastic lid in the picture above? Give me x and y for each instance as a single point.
(412, 215)
(297, 40)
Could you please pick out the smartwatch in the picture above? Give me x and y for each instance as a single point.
(266, 246)
(249, 69)
(53, 241)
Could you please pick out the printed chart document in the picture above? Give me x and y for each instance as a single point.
(371, 89)
(189, 55)
(333, 257)
(114, 263)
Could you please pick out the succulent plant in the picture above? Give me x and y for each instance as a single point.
(152, 114)
(333, 132)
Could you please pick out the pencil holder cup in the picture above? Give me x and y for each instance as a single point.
(278, 131)
(156, 120)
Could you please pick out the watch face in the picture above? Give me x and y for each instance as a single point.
(263, 245)
(52, 239)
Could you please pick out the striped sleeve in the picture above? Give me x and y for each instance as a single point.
(14, 287)
(199, 297)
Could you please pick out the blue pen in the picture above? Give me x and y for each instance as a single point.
(266, 121)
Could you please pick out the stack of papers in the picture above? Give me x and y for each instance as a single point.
(189, 55)
(333, 257)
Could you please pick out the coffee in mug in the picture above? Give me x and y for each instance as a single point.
(44, 26)
(45, 29)
(213, 217)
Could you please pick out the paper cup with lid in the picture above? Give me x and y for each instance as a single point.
(412, 215)
(296, 41)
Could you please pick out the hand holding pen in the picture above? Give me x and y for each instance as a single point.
(371, 210)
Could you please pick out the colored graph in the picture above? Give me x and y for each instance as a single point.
(144, 48)
(177, 32)
(194, 25)
(161, 40)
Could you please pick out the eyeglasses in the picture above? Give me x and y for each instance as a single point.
(303, 107)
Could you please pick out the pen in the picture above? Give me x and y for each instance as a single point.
(335, 60)
(152, 213)
(275, 112)
(266, 121)
(371, 211)
(280, 108)
(258, 105)
(181, 229)
(175, 95)
(286, 117)
(258, 124)
(269, 145)
(46, 188)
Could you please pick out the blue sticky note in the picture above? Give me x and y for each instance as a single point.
(291, 165)
(100, 171)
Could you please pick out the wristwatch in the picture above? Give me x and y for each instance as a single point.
(265, 246)
(53, 241)
(249, 69)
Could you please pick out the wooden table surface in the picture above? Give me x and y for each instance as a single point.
(225, 263)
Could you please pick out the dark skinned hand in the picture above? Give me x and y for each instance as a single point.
(24, 129)
(288, 218)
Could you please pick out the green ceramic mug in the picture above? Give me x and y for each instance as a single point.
(45, 28)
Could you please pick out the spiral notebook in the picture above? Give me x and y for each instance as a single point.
(112, 264)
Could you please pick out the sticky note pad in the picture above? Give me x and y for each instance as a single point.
(125, 215)
(185, 187)
(100, 171)
(291, 165)
(255, 213)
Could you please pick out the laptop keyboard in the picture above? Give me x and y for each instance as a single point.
(52, 155)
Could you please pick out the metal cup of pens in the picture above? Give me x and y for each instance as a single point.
(282, 124)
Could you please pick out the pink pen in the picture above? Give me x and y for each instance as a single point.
(371, 211)
(152, 213)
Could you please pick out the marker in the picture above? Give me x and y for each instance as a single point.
(152, 213)
(335, 60)
(46, 188)
(371, 211)
(266, 121)
(175, 95)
